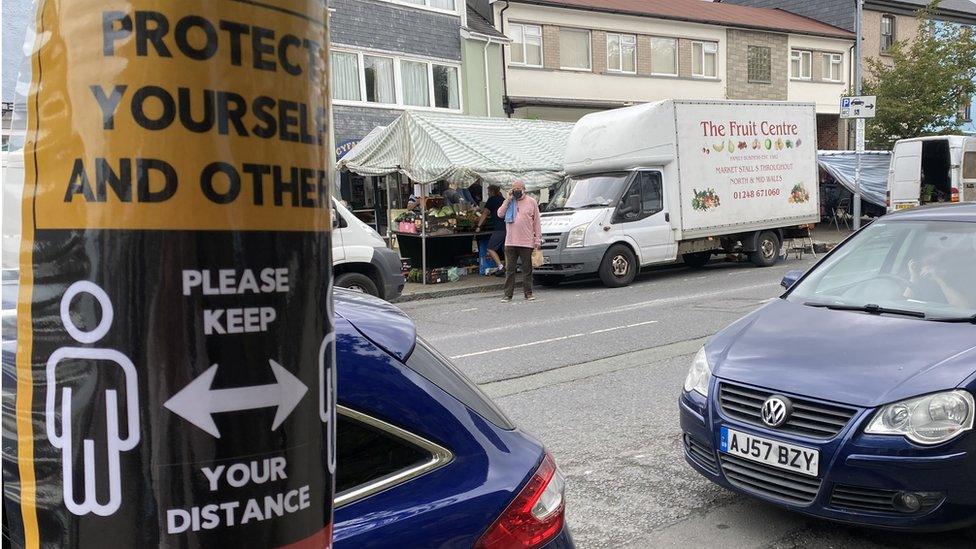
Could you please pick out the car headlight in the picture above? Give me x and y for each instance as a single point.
(699, 375)
(931, 419)
(576, 235)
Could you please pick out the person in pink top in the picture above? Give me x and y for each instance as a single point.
(523, 234)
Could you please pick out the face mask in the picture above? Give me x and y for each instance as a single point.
(517, 194)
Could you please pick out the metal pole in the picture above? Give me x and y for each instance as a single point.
(423, 233)
(859, 123)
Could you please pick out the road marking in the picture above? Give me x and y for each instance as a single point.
(622, 327)
(540, 342)
(615, 310)
(468, 310)
(552, 339)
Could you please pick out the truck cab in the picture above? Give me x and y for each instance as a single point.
(934, 169)
(360, 259)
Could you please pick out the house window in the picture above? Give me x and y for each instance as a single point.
(887, 32)
(833, 67)
(664, 56)
(380, 81)
(965, 112)
(759, 64)
(526, 47)
(704, 61)
(443, 5)
(574, 49)
(366, 78)
(622, 53)
(800, 63)
(345, 76)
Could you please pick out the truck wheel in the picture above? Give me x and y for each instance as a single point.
(358, 282)
(697, 259)
(619, 267)
(767, 250)
(548, 281)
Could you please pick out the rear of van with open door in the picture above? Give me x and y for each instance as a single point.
(905, 175)
(968, 171)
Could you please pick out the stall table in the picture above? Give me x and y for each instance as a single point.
(442, 252)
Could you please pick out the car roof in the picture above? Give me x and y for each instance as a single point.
(382, 323)
(965, 212)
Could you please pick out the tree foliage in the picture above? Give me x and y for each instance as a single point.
(921, 86)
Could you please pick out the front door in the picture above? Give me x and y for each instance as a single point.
(969, 170)
(642, 216)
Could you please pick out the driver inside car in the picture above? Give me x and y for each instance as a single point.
(944, 276)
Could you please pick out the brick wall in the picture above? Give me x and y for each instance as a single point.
(550, 46)
(598, 51)
(685, 52)
(643, 54)
(737, 65)
(906, 30)
(828, 132)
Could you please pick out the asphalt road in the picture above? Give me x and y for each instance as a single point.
(595, 374)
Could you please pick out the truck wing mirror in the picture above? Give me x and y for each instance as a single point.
(791, 278)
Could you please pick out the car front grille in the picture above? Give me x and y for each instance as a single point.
(701, 453)
(770, 481)
(857, 498)
(550, 241)
(809, 418)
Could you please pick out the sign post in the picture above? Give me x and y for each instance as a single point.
(858, 108)
(175, 333)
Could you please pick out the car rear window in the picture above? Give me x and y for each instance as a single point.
(365, 454)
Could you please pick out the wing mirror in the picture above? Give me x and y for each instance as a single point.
(791, 278)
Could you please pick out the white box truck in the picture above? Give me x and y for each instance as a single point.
(658, 182)
(932, 169)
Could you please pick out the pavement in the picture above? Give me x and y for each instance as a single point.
(825, 237)
(595, 374)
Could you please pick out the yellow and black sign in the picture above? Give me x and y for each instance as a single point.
(174, 320)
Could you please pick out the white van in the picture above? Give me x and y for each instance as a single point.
(932, 169)
(653, 183)
(360, 258)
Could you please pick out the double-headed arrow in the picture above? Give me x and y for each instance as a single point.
(197, 403)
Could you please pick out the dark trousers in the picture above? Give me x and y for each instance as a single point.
(512, 255)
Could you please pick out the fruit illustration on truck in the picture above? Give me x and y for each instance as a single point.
(799, 194)
(705, 200)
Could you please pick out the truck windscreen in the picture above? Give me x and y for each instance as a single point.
(587, 191)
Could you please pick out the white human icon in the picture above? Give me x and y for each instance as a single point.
(63, 439)
(327, 388)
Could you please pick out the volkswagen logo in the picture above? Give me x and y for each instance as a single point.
(776, 410)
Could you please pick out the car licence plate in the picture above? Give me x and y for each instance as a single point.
(905, 205)
(781, 455)
(546, 260)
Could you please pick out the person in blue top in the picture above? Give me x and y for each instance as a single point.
(496, 244)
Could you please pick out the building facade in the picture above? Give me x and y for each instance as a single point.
(884, 23)
(571, 57)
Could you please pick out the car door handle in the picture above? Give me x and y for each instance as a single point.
(667, 217)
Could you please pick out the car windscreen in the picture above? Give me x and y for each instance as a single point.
(583, 191)
(913, 268)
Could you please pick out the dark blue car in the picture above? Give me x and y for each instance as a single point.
(424, 458)
(852, 396)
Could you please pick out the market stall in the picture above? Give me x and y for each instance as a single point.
(874, 172)
(443, 154)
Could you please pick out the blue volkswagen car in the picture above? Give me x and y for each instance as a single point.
(424, 458)
(851, 397)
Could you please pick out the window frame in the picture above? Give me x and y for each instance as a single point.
(828, 60)
(964, 113)
(676, 56)
(398, 90)
(802, 53)
(882, 47)
(440, 456)
(589, 49)
(636, 181)
(768, 68)
(620, 36)
(524, 62)
(425, 6)
(703, 43)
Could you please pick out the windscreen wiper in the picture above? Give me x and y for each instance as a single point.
(593, 206)
(869, 308)
(959, 319)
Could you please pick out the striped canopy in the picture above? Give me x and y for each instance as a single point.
(428, 147)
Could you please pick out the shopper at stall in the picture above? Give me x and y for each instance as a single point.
(523, 233)
(476, 192)
(496, 224)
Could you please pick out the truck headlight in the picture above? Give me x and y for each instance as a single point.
(700, 374)
(931, 419)
(576, 235)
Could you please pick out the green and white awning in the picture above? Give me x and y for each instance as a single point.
(429, 146)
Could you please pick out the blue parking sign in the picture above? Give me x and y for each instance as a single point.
(845, 102)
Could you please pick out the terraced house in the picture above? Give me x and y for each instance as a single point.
(571, 57)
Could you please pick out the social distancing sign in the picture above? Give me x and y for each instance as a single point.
(174, 356)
